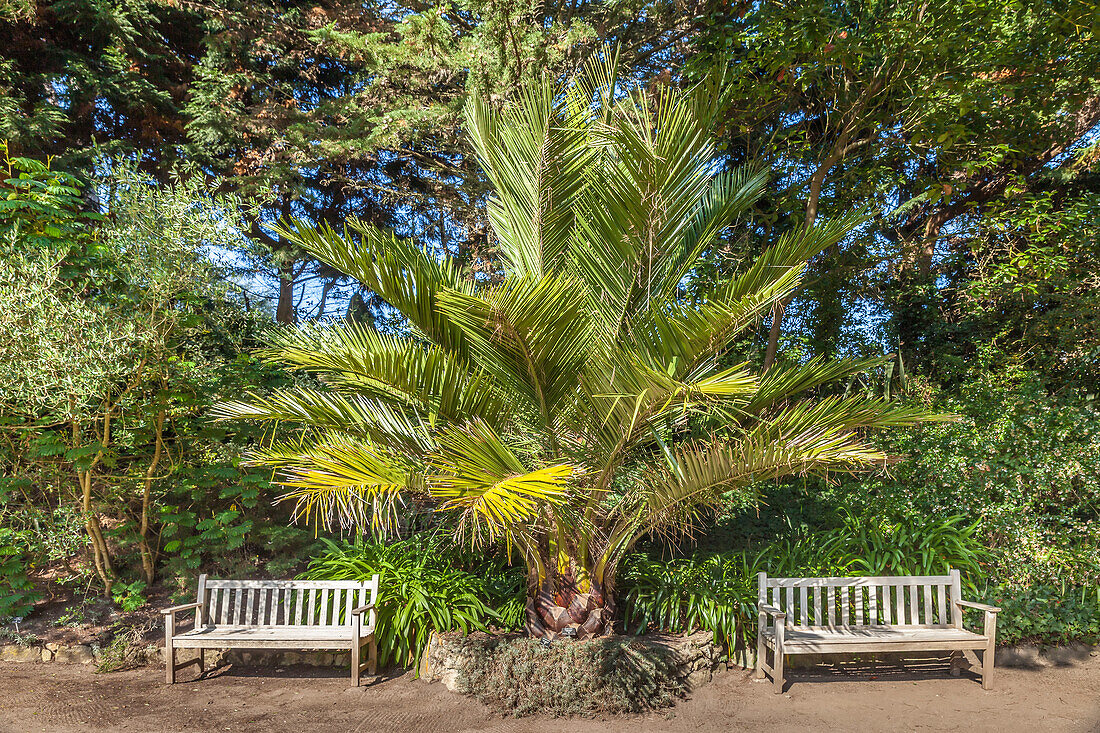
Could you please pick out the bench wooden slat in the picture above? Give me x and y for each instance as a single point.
(856, 580)
(914, 606)
(927, 604)
(831, 593)
(802, 603)
(941, 605)
(307, 584)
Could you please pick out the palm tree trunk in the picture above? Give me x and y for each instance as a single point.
(566, 599)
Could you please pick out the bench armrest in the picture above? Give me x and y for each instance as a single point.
(773, 612)
(360, 609)
(978, 606)
(177, 609)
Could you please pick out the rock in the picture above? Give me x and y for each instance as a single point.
(449, 678)
(47, 654)
(16, 653)
(697, 679)
(79, 654)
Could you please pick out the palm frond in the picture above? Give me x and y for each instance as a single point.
(481, 477)
(360, 417)
(534, 152)
(409, 373)
(532, 335)
(337, 477)
(782, 382)
(398, 270)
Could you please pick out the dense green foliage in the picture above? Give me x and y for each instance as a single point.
(427, 584)
(135, 287)
(118, 336)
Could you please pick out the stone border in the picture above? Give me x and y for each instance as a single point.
(694, 658)
(1030, 656)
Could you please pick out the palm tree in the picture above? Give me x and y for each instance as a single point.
(581, 401)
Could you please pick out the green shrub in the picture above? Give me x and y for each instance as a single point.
(427, 584)
(1022, 461)
(870, 545)
(715, 593)
(17, 593)
(1049, 614)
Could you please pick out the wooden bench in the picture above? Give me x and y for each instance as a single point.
(869, 614)
(277, 614)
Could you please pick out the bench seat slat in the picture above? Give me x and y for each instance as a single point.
(870, 638)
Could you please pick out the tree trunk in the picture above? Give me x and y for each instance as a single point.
(284, 313)
(148, 561)
(101, 558)
(566, 600)
(816, 182)
(325, 290)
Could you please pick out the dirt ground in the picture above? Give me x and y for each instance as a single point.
(62, 698)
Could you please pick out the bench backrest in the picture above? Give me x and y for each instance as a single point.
(915, 601)
(282, 602)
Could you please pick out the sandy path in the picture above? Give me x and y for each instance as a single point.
(40, 697)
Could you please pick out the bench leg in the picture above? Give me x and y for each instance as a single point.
(356, 650)
(202, 661)
(761, 650)
(987, 667)
(372, 657)
(988, 657)
(169, 650)
(777, 671)
(956, 663)
(777, 658)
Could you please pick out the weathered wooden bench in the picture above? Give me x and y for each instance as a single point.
(869, 614)
(277, 614)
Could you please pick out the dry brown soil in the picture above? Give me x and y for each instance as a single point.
(54, 697)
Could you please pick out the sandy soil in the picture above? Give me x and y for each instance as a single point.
(52, 697)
